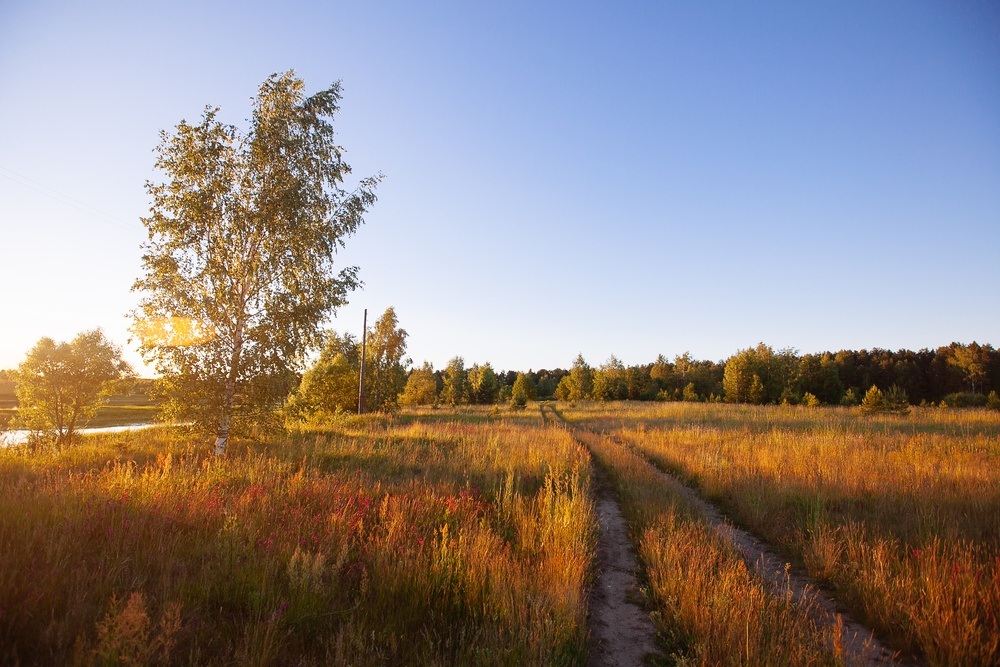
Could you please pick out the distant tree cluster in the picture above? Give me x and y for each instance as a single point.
(957, 375)
(331, 385)
(60, 385)
(683, 379)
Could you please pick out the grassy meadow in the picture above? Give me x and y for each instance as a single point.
(376, 541)
(899, 516)
(710, 609)
(467, 536)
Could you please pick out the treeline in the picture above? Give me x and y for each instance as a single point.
(957, 375)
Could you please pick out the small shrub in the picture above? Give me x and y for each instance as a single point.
(810, 401)
(965, 400)
(896, 401)
(128, 637)
(993, 401)
(850, 398)
(874, 401)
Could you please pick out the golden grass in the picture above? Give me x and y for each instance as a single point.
(373, 542)
(710, 609)
(901, 516)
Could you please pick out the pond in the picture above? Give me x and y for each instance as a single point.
(17, 437)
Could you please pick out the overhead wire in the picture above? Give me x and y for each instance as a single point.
(63, 198)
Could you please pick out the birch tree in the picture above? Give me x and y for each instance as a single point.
(239, 272)
(386, 363)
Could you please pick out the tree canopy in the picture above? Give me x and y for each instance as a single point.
(59, 386)
(238, 270)
(330, 386)
(421, 387)
(385, 363)
(456, 380)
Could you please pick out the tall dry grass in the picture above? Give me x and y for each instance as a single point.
(900, 516)
(709, 607)
(372, 542)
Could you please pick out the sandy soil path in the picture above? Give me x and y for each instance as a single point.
(860, 646)
(621, 633)
(620, 630)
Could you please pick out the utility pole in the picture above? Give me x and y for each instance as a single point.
(361, 380)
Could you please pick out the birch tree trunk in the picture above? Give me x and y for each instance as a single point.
(222, 436)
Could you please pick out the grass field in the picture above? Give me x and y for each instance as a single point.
(900, 516)
(378, 541)
(467, 537)
(709, 608)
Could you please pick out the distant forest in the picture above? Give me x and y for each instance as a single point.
(957, 375)
(960, 375)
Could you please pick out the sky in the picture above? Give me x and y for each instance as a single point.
(628, 178)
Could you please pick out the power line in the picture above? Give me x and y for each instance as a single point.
(63, 198)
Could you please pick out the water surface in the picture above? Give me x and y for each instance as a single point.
(17, 437)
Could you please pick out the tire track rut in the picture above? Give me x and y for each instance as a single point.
(621, 633)
(859, 644)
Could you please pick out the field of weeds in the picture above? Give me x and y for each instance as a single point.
(898, 516)
(415, 540)
(467, 536)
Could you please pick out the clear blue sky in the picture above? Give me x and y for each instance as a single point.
(607, 178)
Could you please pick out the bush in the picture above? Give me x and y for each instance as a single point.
(965, 400)
(850, 398)
(810, 401)
(893, 401)
(896, 400)
(993, 401)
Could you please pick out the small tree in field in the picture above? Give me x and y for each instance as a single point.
(482, 386)
(896, 401)
(421, 387)
(850, 398)
(565, 389)
(893, 401)
(330, 386)
(582, 376)
(456, 383)
(690, 394)
(386, 362)
(238, 270)
(522, 392)
(59, 386)
(874, 401)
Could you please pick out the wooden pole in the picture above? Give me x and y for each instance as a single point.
(361, 380)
